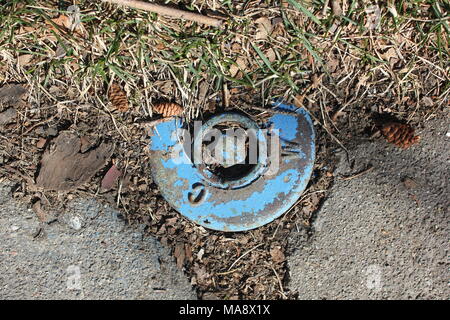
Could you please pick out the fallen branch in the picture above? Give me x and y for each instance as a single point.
(168, 11)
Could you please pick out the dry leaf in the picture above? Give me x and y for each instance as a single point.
(203, 88)
(236, 47)
(201, 274)
(390, 56)
(24, 60)
(200, 254)
(210, 296)
(298, 100)
(70, 23)
(391, 8)
(278, 27)
(277, 254)
(427, 102)
(336, 8)
(264, 28)
(410, 183)
(12, 94)
(41, 143)
(25, 29)
(316, 81)
(362, 81)
(171, 221)
(234, 69)
(110, 178)
(241, 64)
(86, 144)
(188, 250)
(270, 54)
(63, 21)
(332, 64)
(337, 115)
(40, 213)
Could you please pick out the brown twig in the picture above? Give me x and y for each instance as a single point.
(168, 11)
(227, 272)
(246, 253)
(357, 175)
(279, 282)
(37, 125)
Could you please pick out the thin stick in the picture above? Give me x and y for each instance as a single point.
(37, 125)
(325, 7)
(279, 282)
(168, 11)
(357, 175)
(246, 253)
(227, 272)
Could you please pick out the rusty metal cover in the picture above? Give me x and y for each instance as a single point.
(243, 203)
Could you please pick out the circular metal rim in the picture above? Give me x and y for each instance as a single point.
(200, 214)
(246, 123)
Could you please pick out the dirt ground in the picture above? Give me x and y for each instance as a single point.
(85, 83)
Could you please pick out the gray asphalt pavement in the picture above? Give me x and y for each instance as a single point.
(88, 254)
(384, 234)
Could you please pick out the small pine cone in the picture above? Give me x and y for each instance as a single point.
(168, 109)
(402, 135)
(118, 98)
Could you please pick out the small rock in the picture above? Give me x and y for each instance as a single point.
(200, 254)
(75, 222)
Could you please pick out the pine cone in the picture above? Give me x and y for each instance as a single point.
(118, 98)
(168, 109)
(402, 135)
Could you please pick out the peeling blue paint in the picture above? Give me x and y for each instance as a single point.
(251, 205)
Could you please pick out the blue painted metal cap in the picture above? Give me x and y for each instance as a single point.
(243, 196)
